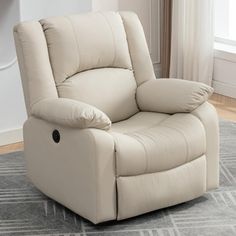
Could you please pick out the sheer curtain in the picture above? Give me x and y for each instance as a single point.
(166, 16)
(192, 40)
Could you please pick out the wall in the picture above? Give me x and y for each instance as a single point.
(105, 5)
(224, 79)
(12, 112)
(37, 9)
(9, 14)
(12, 108)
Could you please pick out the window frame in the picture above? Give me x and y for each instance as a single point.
(225, 41)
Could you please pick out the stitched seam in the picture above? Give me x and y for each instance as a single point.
(128, 44)
(116, 174)
(204, 127)
(116, 149)
(185, 140)
(145, 150)
(49, 56)
(155, 172)
(182, 134)
(113, 37)
(77, 44)
(95, 174)
(202, 122)
(152, 126)
(146, 135)
(25, 72)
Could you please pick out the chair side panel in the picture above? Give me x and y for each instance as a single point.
(36, 73)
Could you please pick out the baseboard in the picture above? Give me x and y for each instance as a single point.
(11, 136)
(228, 90)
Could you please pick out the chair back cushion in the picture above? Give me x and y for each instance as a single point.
(86, 41)
(112, 90)
(90, 61)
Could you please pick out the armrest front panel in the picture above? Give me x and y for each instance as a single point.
(172, 95)
(207, 114)
(78, 172)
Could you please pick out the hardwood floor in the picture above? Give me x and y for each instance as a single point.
(11, 148)
(226, 108)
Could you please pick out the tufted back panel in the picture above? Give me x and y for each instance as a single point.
(112, 90)
(82, 42)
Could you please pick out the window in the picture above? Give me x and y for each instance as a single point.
(225, 21)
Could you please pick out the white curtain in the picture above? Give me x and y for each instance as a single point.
(192, 40)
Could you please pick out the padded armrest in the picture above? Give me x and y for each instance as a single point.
(172, 95)
(71, 113)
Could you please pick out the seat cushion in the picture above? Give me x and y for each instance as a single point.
(152, 142)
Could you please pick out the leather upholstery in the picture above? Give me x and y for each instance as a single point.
(172, 96)
(129, 143)
(140, 121)
(159, 147)
(143, 193)
(112, 90)
(78, 171)
(36, 72)
(71, 113)
(207, 114)
(140, 57)
(81, 42)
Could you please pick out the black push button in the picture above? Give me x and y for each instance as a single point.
(56, 136)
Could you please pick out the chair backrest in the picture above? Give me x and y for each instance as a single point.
(98, 58)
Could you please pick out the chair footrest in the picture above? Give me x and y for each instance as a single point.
(144, 193)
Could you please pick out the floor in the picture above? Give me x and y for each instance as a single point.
(11, 148)
(226, 108)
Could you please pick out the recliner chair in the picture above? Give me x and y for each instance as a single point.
(104, 137)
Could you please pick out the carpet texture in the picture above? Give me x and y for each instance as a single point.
(26, 211)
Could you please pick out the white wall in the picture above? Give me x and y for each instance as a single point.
(105, 5)
(9, 15)
(37, 9)
(224, 79)
(12, 108)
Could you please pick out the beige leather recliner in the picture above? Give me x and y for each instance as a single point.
(104, 137)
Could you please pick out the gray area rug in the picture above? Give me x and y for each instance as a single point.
(26, 211)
